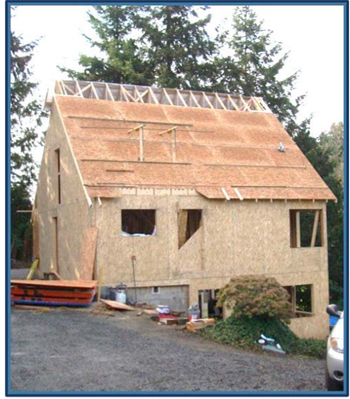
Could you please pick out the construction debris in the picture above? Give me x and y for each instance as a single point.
(102, 309)
(117, 305)
(52, 292)
(199, 324)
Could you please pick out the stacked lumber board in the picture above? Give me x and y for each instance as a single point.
(52, 293)
(116, 305)
(199, 324)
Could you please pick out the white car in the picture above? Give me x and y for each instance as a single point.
(335, 352)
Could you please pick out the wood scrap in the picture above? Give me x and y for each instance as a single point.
(57, 275)
(150, 312)
(199, 324)
(117, 305)
(168, 322)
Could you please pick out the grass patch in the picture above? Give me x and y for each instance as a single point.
(243, 332)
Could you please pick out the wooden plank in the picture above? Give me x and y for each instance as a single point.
(117, 305)
(150, 312)
(32, 269)
(183, 217)
(199, 324)
(88, 254)
(55, 283)
(315, 228)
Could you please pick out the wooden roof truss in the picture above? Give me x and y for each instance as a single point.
(153, 95)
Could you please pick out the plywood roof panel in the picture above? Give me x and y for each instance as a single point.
(214, 149)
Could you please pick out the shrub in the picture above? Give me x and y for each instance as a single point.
(244, 331)
(256, 296)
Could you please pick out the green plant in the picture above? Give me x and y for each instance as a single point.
(256, 296)
(243, 332)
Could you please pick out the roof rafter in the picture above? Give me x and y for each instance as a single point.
(155, 95)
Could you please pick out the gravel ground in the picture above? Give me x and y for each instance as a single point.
(72, 350)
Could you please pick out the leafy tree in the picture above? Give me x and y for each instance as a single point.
(26, 114)
(256, 296)
(178, 47)
(118, 41)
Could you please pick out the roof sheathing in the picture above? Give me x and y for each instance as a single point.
(215, 149)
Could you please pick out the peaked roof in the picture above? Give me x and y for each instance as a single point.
(220, 153)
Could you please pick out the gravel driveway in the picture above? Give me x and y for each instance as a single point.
(72, 350)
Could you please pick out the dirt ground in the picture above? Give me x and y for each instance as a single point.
(67, 350)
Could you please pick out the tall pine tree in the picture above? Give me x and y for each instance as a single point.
(177, 46)
(26, 119)
(166, 46)
(118, 42)
(252, 65)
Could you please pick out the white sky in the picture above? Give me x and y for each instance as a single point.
(313, 36)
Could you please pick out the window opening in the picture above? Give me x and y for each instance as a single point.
(190, 220)
(306, 228)
(301, 299)
(58, 168)
(155, 290)
(138, 222)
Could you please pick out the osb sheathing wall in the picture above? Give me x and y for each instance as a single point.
(72, 213)
(236, 238)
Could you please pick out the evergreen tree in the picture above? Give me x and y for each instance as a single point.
(121, 60)
(333, 141)
(322, 158)
(26, 114)
(253, 66)
(177, 46)
(167, 46)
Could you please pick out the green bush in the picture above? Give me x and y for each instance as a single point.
(256, 296)
(243, 332)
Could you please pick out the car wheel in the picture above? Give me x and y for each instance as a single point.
(333, 385)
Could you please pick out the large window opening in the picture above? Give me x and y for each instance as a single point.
(306, 228)
(301, 299)
(138, 222)
(190, 220)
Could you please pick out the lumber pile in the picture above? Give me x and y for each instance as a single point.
(199, 324)
(52, 292)
(117, 305)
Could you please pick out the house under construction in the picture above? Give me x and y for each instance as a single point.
(190, 188)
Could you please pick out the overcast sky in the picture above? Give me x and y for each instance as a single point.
(313, 36)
